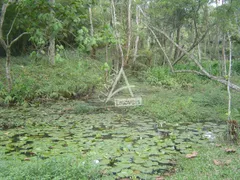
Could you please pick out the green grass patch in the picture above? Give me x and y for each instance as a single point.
(184, 105)
(185, 97)
(68, 167)
(211, 163)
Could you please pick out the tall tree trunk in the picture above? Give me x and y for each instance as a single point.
(224, 64)
(117, 34)
(137, 37)
(106, 52)
(216, 45)
(199, 53)
(229, 77)
(5, 46)
(51, 49)
(8, 70)
(171, 47)
(177, 41)
(93, 51)
(129, 31)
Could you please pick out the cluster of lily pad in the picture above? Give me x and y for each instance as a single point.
(123, 145)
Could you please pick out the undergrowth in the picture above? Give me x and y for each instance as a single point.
(69, 78)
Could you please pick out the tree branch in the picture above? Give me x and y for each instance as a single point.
(10, 30)
(165, 54)
(17, 38)
(195, 43)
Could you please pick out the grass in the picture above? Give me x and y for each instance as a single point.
(69, 167)
(187, 98)
(212, 163)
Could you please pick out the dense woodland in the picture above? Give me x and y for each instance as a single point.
(60, 59)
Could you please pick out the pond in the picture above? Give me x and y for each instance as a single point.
(123, 144)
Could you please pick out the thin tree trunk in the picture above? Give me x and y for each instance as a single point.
(137, 37)
(199, 53)
(224, 64)
(51, 49)
(106, 51)
(93, 51)
(171, 49)
(129, 31)
(229, 77)
(177, 41)
(117, 35)
(5, 46)
(216, 46)
(91, 22)
(2, 18)
(8, 70)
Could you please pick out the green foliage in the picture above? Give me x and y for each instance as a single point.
(68, 79)
(84, 40)
(160, 76)
(68, 167)
(236, 67)
(59, 50)
(105, 36)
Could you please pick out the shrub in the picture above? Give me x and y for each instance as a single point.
(160, 76)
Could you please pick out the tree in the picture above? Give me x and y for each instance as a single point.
(6, 42)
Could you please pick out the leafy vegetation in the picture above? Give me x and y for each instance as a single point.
(37, 80)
